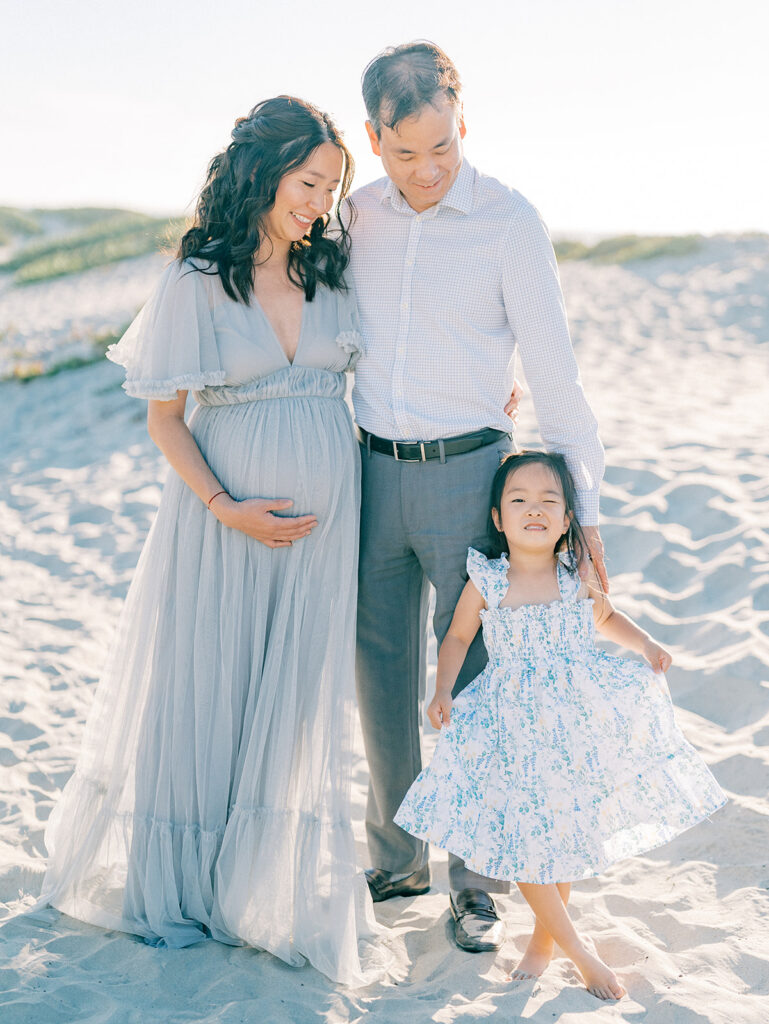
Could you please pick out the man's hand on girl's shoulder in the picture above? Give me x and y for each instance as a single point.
(596, 551)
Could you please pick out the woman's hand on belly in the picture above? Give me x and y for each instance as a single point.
(255, 518)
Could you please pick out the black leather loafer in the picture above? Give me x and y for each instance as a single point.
(477, 927)
(383, 888)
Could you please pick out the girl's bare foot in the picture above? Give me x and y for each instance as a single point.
(599, 979)
(549, 905)
(538, 955)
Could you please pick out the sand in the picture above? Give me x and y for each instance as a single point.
(674, 360)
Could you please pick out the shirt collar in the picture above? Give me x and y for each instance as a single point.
(459, 196)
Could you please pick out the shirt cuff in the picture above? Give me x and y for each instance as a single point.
(587, 507)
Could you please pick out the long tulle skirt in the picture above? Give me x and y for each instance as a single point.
(211, 797)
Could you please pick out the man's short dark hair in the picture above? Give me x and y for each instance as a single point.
(401, 80)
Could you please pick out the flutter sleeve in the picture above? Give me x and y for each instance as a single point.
(349, 338)
(171, 345)
(489, 575)
(478, 571)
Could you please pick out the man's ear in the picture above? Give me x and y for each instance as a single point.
(373, 139)
(462, 127)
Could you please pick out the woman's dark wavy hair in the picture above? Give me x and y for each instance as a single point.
(573, 541)
(278, 136)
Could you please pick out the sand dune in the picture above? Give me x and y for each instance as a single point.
(674, 359)
(44, 324)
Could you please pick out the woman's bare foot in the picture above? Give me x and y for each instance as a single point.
(538, 955)
(599, 979)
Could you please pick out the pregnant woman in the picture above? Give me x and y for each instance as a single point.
(211, 797)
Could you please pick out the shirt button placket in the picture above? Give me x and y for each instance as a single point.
(404, 320)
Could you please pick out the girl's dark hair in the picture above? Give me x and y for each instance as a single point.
(278, 136)
(401, 80)
(573, 541)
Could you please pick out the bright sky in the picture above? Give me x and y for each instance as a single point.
(609, 115)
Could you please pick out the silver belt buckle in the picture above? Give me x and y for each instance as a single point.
(395, 451)
(422, 450)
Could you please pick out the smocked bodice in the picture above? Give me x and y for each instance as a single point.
(532, 632)
(558, 630)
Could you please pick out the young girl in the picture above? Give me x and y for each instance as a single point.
(558, 759)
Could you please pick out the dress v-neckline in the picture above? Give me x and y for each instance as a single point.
(274, 333)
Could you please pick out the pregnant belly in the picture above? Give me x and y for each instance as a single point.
(297, 448)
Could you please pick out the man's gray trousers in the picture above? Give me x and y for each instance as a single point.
(417, 521)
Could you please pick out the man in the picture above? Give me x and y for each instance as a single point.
(454, 273)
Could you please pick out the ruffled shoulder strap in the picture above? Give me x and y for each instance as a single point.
(171, 345)
(489, 575)
(569, 581)
(349, 338)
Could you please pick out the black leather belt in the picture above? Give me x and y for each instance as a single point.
(421, 451)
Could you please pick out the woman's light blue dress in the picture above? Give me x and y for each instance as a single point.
(212, 793)
(559, 758)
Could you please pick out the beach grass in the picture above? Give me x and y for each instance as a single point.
(109, 238)
(625, 248)
(14, 223)
(77, 217)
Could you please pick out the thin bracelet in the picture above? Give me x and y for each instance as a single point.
(214, 496)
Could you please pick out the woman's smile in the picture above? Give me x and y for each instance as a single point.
(303, 222)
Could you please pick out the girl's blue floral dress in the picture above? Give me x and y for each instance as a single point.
(560, 758)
